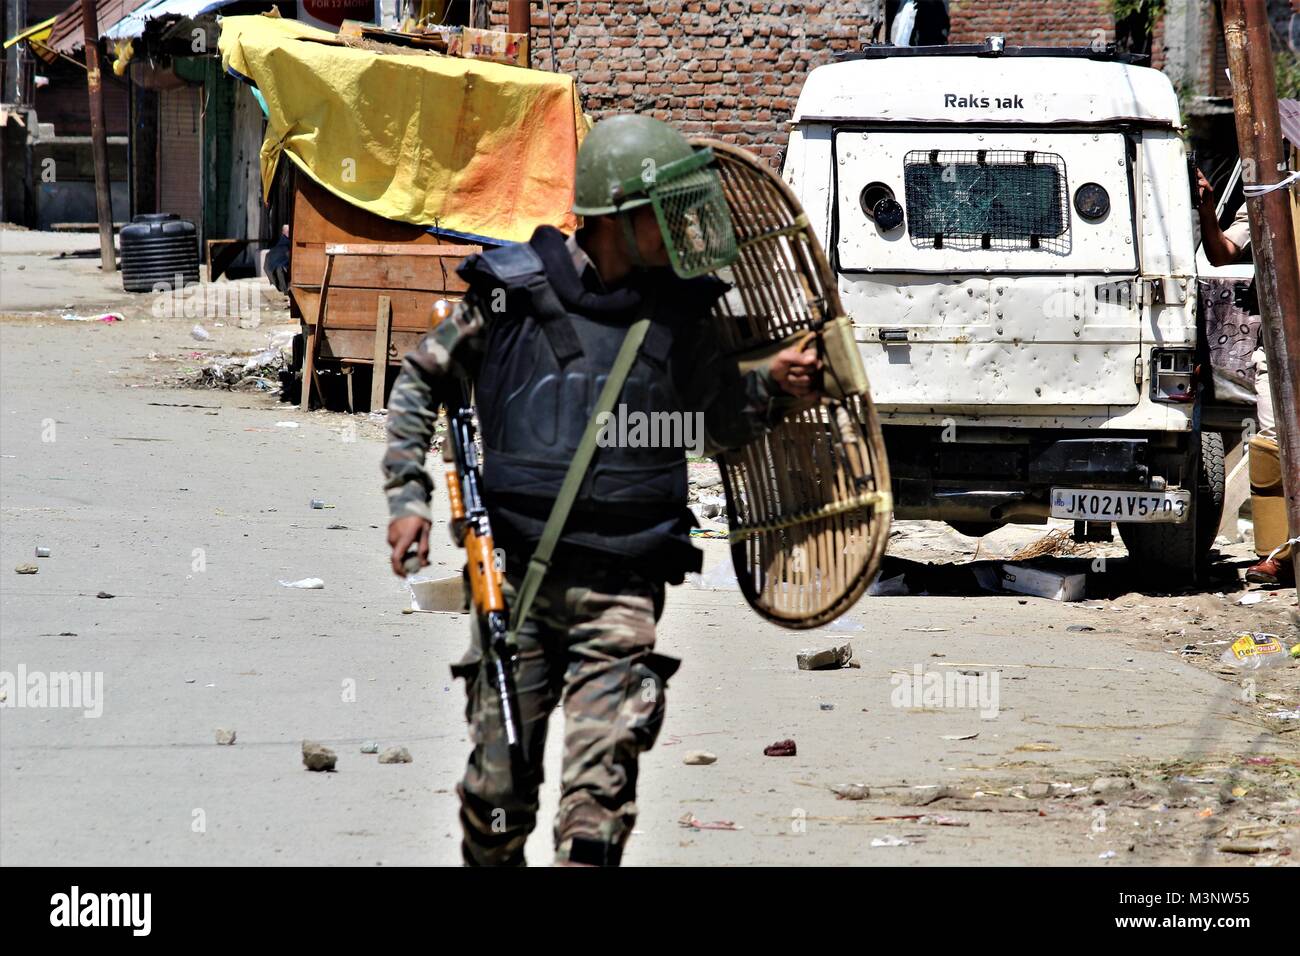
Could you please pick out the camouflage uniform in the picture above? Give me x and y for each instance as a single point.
(589, 637)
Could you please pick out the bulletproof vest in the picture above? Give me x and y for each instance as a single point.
(543, 368)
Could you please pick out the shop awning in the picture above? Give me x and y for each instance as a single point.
(36, 33)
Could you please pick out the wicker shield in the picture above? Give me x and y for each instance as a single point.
(808, 502)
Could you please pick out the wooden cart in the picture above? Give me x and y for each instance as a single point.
(364, 288)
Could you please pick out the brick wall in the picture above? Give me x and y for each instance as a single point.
(1032, 22)
(731, 69)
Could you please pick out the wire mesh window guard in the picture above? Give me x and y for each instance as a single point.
(987, 199)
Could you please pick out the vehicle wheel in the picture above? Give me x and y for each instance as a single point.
(1172, 553)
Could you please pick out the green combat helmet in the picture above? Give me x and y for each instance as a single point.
(632, 160)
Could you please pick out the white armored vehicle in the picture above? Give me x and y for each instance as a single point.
(1012, 234)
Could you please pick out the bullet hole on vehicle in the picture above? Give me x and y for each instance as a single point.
(880, 206)
(1092, 202)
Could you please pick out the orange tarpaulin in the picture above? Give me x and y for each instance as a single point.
(468, 147)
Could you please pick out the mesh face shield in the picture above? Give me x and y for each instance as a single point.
(692, 214)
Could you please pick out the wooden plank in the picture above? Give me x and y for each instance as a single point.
(357, 346)
(1236, 489)
(355, 308)
(397, 249)
(314, 333)
(383, 314)
(432, 273)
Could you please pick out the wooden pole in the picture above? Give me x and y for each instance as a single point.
(98, 137)
(519, 19)
(1248, 38)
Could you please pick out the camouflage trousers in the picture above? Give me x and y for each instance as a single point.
(588, 643)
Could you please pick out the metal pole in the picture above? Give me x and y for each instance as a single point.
(98, 137)
(1248, 36)
(519, 19)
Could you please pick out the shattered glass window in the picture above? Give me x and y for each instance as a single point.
(987, 199)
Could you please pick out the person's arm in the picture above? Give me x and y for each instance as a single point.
(450, 350)
(1219, 248)
(738, 407)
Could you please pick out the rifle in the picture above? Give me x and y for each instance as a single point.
(471, 529)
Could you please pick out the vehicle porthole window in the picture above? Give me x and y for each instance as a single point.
(880, 206)
(1092, 202)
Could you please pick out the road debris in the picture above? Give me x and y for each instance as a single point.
(1253, 650)
(105, 595)
(395, 755)
(27, 569)
(699, 758)
(1110, 785)
(225, 738)
(851, 791)
(42, 552)
(890, 841)
(309, 584)
(317, 757)
(782, 748)
(692, 822)
(370, 747)
(832, 658)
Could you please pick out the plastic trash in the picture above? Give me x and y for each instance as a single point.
(312, 584)
(721, 577)
(101, 317)
(1253, 650)
(200, 334)
(889, 587)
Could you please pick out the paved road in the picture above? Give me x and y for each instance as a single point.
(190, 516)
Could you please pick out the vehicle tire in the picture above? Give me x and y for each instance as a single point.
(1173, 553)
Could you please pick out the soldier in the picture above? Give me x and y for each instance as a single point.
(537, 333)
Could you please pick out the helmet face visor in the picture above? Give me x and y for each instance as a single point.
(692, 214)
(695, 223)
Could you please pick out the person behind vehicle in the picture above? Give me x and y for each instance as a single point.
(537, 333)
(1267, 502)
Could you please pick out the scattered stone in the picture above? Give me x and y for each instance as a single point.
(851, 791)
(782, 748)
(826, 706)
(1111, 784)
(395, 755)
(1037, 791)
(924, 796)
(370, 747)
(699, 758)
(1080, 627)
(317, 757)
(829, 659)
(27, 569)
(225, 737)
(105, 595)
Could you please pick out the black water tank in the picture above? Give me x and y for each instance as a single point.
(156, 248)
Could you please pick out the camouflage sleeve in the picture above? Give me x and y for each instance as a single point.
(737, 406)
(452, 349)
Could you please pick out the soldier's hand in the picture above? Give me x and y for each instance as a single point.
(795, 371)
(402, 534)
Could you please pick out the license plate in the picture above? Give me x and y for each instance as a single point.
(1094, 504)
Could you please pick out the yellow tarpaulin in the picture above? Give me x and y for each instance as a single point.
(468, 147)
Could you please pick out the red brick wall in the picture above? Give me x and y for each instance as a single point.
(731, 69)
(1031, 22)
